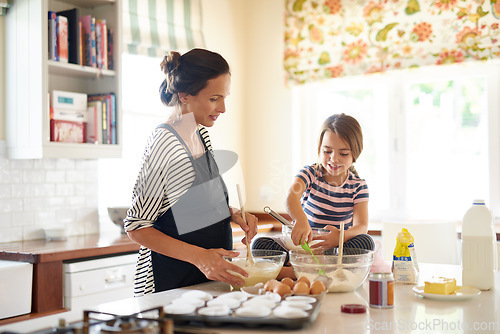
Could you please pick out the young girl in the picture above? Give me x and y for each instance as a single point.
(330, 191)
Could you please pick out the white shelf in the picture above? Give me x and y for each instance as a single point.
(31, 77)
(89, 3)
(74, 70)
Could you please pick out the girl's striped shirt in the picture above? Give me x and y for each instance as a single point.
(165, 175)
(325, 204)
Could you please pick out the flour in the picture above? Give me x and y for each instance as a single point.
(352, 281)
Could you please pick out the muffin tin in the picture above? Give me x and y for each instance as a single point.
(195, 307)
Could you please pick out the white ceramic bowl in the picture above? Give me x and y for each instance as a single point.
(117, 215)
(55, 233)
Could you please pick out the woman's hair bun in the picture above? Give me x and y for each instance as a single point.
(170, 62)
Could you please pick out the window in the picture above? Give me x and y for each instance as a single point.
(431, 142)
(142, 110)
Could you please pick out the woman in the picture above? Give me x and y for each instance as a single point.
(180, 214)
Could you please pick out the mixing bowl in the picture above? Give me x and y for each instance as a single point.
(356, 264)
(286, 232)
(267, 265)
(117, 215)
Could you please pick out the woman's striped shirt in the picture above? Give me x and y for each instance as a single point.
(327, 204)
(165, 175)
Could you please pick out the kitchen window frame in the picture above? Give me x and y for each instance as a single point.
(306, 122)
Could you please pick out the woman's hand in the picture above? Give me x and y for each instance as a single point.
(329, 240)
(214, 267)
(301, 232)
(250, 227)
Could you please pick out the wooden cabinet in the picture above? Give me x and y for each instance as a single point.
(31, 77)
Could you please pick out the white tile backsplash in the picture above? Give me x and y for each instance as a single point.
(45, 192)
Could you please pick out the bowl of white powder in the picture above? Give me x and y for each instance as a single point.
(356, 264)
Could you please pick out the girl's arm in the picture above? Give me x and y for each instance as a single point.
(209, 261)
(301, 231)
(359, 221)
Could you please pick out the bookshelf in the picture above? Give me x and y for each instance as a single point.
(31, 76)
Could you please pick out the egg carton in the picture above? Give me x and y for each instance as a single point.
(202, 308)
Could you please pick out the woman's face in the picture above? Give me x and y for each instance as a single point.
(209, 103)
(335, 157)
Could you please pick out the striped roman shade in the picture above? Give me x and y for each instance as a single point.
(154, 27)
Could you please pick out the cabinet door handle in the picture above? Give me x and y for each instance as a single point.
(113, 278)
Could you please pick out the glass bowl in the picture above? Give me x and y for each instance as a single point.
(267, 265)
(356, 264)
(286, 233)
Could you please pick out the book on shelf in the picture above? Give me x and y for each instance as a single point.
(62, 38)
(94, 122)
(98, 44)
(108, 116)
(67, 131)
(72, 16)
(102, 43)
(111, 64)
(89, 40)
(93, 42)
(82, 40)
(81, 47)
(53, 36)
(114, 134)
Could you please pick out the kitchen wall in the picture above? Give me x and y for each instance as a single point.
(250, 35)
(38, 193)
(2, 83)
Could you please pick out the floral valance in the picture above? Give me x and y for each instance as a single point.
(335, 38)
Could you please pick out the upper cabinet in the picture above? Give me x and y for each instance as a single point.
(31, 78)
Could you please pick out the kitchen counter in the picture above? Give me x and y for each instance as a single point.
(411, 313)
(47, 258)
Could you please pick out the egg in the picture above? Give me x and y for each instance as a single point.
(269, 286)
(301, 288)
(288, 281)
(305, 280)
(282, 289)
(317, 287)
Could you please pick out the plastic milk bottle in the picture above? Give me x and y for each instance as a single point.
(479, 250)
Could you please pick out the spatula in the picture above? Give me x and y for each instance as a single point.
(321, 273)
(249, 251)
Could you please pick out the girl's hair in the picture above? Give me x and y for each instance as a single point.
(188, 73)
(348, 129)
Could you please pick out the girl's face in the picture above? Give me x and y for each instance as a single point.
(335, 157)
(209, 103)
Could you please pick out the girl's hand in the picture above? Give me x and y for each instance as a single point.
(301, 232)
(329, 240)
(250, 226)
(214, 267)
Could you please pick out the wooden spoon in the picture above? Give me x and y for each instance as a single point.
(249, 251)
(339, 273)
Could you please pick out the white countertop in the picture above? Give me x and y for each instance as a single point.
(411, 313)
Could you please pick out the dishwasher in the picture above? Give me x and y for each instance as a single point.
(88, 282)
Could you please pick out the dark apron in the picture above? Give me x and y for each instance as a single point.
(204, 208)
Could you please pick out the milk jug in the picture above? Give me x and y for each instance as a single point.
(479, 250)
